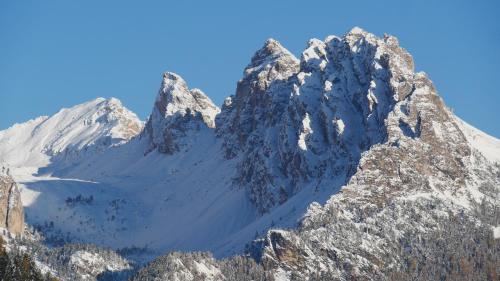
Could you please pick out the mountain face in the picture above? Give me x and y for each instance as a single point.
(303, 122)
(343, 164)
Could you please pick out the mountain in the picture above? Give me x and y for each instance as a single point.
(343, 164)
(176, 112)
(91, 126)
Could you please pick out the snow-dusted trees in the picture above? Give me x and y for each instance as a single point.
(18, 266)
(198, 266)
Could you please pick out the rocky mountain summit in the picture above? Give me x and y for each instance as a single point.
(176, 112)
(344, 164)
(306, 122)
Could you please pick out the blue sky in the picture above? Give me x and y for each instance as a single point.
(57, 54)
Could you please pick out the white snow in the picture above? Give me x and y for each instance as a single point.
(496, 232)
(339, 124)
(96, 124)
(44, 269)
(328, 86)
(306, 131)
(488, 146)
(281, 275)
(210, 272)
(137, 202)
(357, 30)
(91, 264)
(372, 98)
(164, 202)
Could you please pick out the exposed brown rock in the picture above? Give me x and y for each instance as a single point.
(11, 207)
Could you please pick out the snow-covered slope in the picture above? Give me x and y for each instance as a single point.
(349, 141)
(488, 146)
(94, 126)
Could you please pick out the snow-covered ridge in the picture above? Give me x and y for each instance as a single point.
(489, 146)
(94, 125)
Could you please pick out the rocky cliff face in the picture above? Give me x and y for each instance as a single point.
(418, 179)
(297, 123)
(177, 112)
(11, 207)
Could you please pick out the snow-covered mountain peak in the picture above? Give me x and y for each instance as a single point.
(178, 109)
(175, 97)
(109, 115)
(313, 56)
(125, 123)
(271, 62)
(357, 30)
(93, 125)
(269, 67)
(272, 49)
(169, 77)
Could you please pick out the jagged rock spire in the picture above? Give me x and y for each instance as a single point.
(175, 105)
(175, 97)
(11, 206)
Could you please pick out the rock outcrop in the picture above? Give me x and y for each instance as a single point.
(11, 207)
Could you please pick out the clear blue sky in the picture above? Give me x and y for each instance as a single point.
(57, 54)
